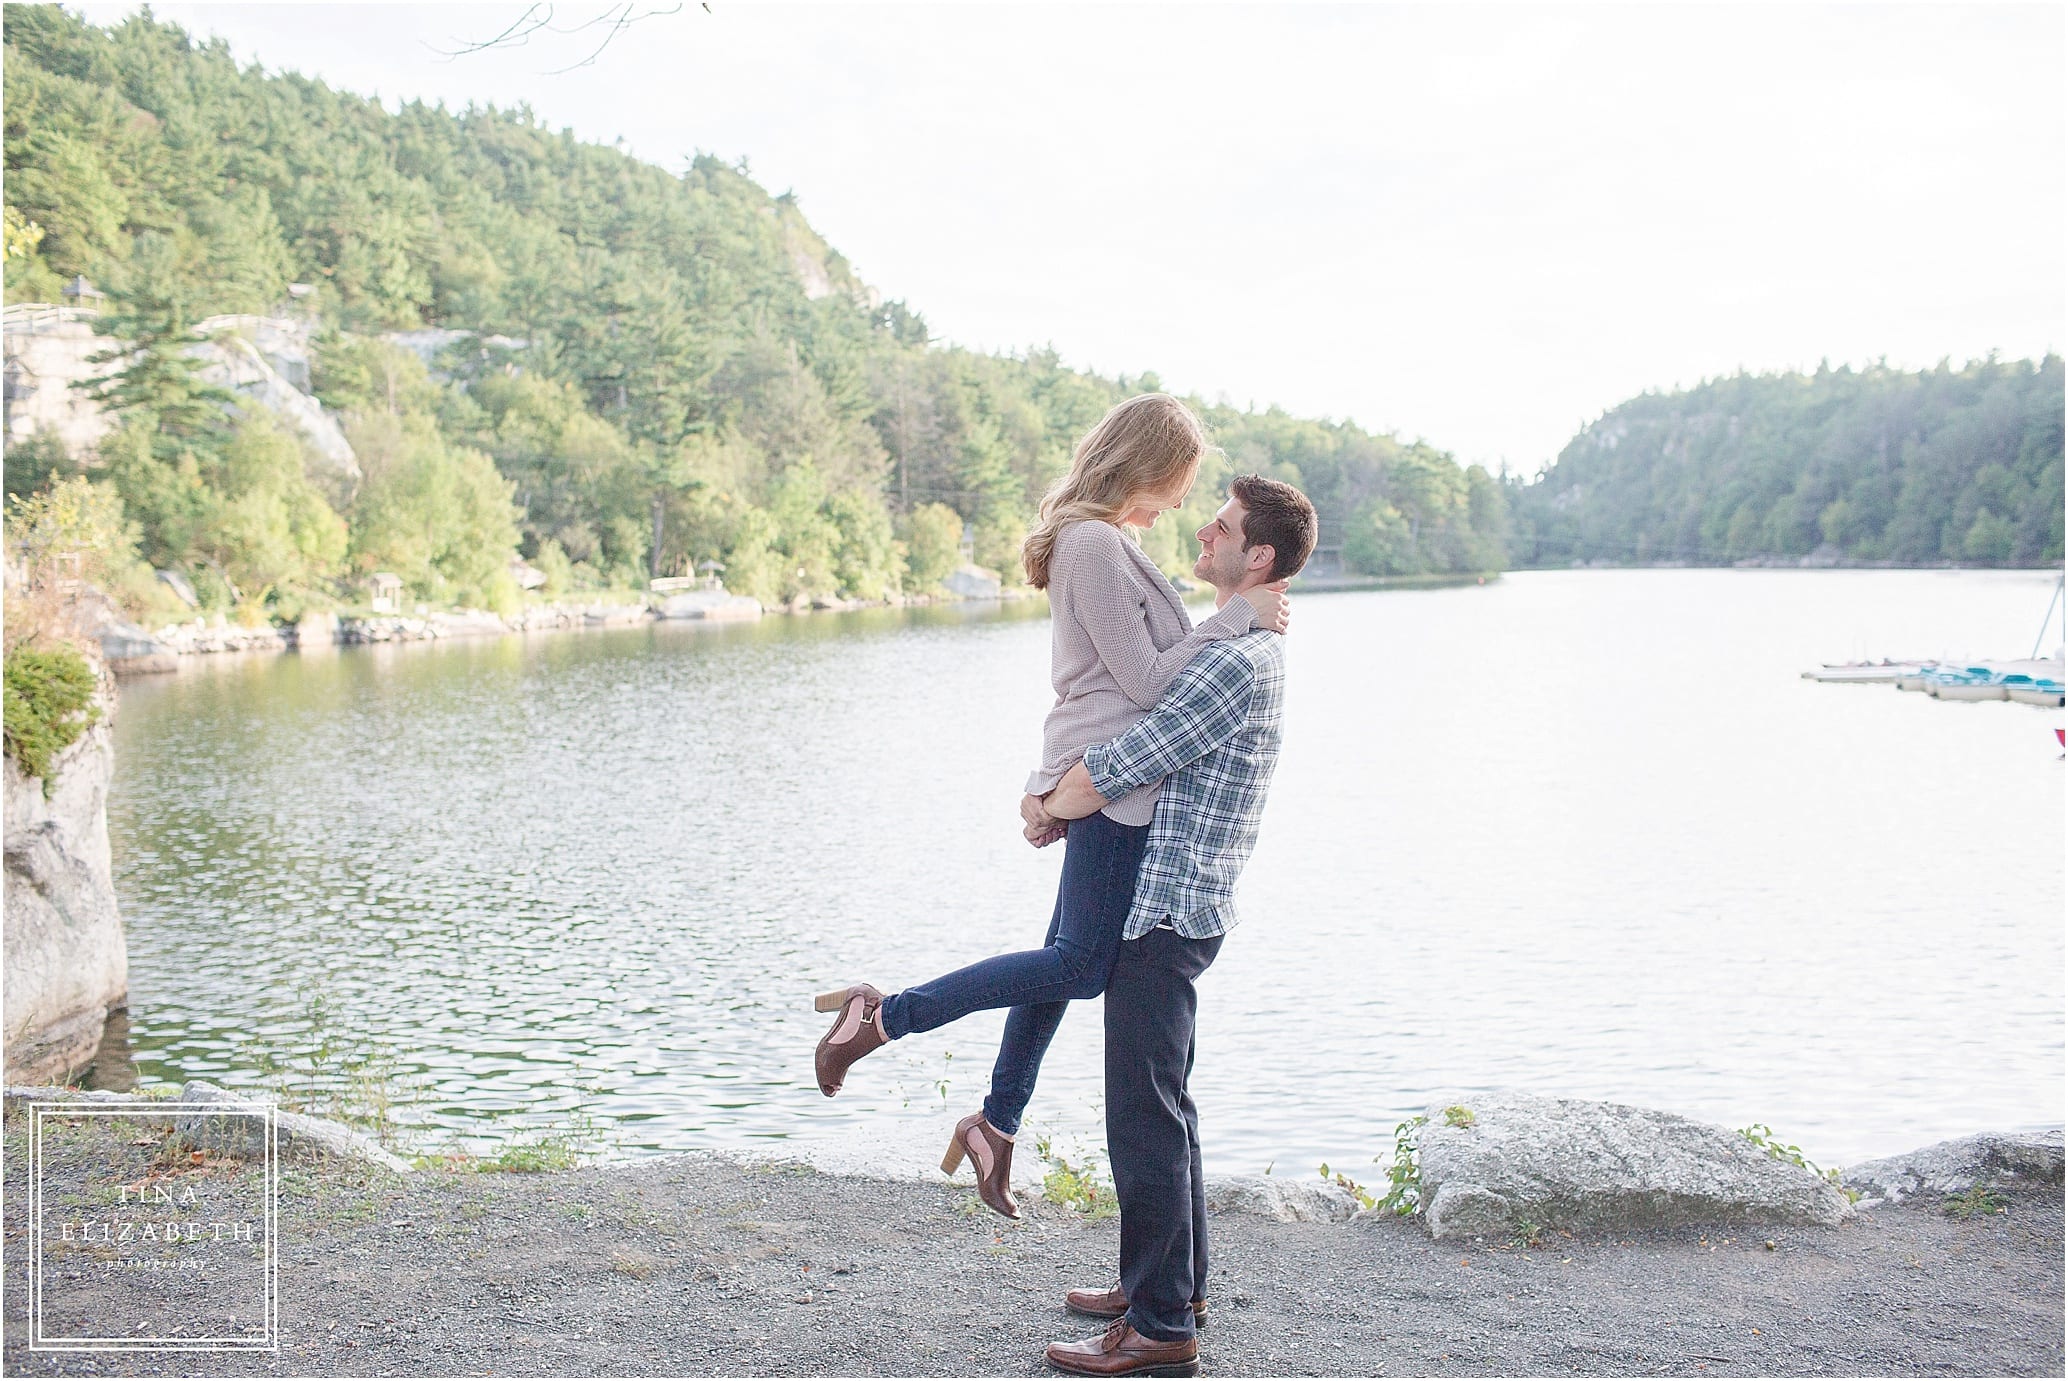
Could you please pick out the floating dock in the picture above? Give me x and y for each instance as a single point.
(2029, 680)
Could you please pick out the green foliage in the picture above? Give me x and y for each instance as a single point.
(36, 463)
(1457, 1115)
(437, 515)
(49, 704)
(933, 545)
(1351, 1187)
(1874, 465)
(328, 1070)
(676, 394)
(1075, 1186)
(1978, 1201)
(73, 528)
(1404, 1176)
(1762, 1136)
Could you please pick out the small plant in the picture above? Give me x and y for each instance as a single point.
(1356, 1191)
(637, 1267)
(555, 1148)
(1458, 1115)
(335, 1074)
(1979, 1201)
(1528, 1234)
(49, 704)
(1077, 1187)
(1762, 1136)
(1404, 1176)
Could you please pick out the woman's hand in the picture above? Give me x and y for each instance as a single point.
(1040, 828)
(1273, 605)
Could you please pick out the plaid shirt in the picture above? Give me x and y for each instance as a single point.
(1214, 736)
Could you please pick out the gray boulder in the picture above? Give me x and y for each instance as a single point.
(1559, 1162)
(296, 1137)
(1954, 1167)
(66, 961)
(1287, 1201)
(969, 581)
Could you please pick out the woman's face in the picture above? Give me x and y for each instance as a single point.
(1148, 506)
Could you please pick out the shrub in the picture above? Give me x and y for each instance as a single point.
(49, 704)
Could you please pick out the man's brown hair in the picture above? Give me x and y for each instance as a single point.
(1279, 515)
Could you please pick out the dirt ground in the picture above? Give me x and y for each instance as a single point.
(701, 1265)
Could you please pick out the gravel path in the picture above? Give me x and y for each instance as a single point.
(699, 1265)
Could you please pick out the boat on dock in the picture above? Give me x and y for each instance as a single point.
(2032, 680)
(1866, 673)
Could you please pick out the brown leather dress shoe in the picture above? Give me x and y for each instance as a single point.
(1112, 1304)
(991, 1152)
(1121, 1351)
(856, 1031)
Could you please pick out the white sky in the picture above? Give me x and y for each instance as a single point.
(1479, 224)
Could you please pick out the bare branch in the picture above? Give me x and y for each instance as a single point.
(538, 17)
(535, 17)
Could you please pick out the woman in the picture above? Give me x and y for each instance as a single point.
(1120, 637)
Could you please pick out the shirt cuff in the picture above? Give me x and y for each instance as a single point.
(1097, 762)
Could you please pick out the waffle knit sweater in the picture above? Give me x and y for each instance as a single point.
(1119, 637)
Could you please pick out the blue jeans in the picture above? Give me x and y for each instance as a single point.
(1100, 861)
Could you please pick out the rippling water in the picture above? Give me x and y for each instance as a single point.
(1584, 833)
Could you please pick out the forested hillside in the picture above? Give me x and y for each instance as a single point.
(686, 371)
(1876, 465)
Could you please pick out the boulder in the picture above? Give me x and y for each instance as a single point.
(972, 582)
(295, 1135)
(1287, 1201)
(66, 960)
(130, 651)
(1992, 1159)
(719, 605)
(1560, 1162)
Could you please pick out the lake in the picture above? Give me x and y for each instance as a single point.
(1582, 833)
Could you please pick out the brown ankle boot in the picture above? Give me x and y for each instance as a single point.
(991, 1151)
(856, 1031)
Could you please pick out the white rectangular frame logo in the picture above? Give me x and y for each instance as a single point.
(39, 1342)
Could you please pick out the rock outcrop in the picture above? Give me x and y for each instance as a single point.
(715, 605)
(1285, 1201)
(264, 359)
(1990, 1159)
(67, 963)
(296, 1136)
(1507, 1159)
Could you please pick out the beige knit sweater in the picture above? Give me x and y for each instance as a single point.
(1120, 637)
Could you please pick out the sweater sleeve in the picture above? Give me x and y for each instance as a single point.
(1092, 582)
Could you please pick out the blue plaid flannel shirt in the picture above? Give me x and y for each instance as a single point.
(1214, 739)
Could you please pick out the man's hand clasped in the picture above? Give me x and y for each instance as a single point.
(1041, 828)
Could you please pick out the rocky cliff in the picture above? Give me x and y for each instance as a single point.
(66, 961)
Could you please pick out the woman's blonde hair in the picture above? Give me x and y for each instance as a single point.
(1141, 447)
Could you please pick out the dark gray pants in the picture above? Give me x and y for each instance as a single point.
(1152, 1129)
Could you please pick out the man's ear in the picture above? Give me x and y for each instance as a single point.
(1266, 551)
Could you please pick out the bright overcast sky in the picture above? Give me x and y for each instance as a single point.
(1480, 225)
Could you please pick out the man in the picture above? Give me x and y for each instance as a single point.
(1213, 739)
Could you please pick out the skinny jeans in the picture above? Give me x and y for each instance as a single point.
(1100, 863)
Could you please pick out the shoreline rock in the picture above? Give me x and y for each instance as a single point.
(296, 1136)
(1988, 1159)
(66, 958)
(1493, 1162)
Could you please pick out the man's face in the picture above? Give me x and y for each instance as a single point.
(1222, 561)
